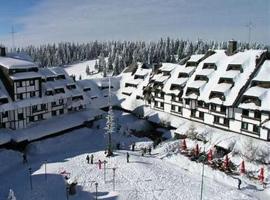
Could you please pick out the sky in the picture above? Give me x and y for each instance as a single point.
(46, 21)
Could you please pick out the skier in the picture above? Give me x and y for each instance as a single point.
(92, 158)
(133, 147)
(24, 158)
(99, 164)
(87, 158)
(149, 150)
(127, 157)
(239, 184)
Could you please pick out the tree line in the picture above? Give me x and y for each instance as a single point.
(120, 54)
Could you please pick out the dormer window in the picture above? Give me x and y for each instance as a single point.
(226, 80)
(251, 99)
(235, 67)
(193, 91)
(210, 66)
(183, 75)
(215, 94)
(190, 63)
(201, 78)
(263, 84)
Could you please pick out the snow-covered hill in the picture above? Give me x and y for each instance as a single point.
(79, 69)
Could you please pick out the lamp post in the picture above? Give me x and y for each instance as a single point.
(45, 170)
(104, 164)
(114, 178)
(30, 178)
(96, 184)
(201, 197)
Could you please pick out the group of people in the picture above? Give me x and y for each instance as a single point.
(90, 159)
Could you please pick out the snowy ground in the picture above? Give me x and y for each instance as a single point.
(79, 69)
(157, 176)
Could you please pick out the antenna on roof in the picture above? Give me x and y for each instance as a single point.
(249, 26)
(13, 37)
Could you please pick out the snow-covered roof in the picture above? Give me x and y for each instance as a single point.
(141, 72)
(25, 75)
(46, 72)
(13, 63)
(195, 58)
(160, 78)
(264, 72)
(167, 67)
(246, 59)
(222, 87)
(197, 84)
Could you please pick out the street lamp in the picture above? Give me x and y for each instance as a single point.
(30, 178)
(96, 184)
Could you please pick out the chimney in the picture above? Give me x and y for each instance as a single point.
(232, 47)
(2, 51)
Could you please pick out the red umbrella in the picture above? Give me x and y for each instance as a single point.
(197, 151)
(210, 156)
(184, 145)
(261, 175)
(226, 162)
(242, 167)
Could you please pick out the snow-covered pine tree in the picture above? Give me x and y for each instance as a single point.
(11, 195)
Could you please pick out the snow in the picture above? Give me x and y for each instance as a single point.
(13, 63)
(25, 75)
(79, 69)
(196, 58)
(166, 174)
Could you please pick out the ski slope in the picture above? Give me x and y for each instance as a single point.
(150, 177)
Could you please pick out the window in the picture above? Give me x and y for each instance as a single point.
(53, 113)
(213, 107)
(200, 103)
(31, 118)
(222, 109)
(20, 116)
(61, 101)
(161, 104)
(53, 104)
(40, 117)
(5, 114)
(256, 129)
(19, 84)
(179, 109)
(173, 107)
(201, 115)
(19, 96)
(216, 119)
(156, 104)
(257, 114)
(193, 113)
(245, 113)
(32, 82)
(61, 111)
(244, 126)
(187, 101)
(34, 108)
(226, 121)
(32, 94)
(43, 106)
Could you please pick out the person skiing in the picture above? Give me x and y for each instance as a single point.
(87, 158)
(149, 150)
(127, 157)
(239, 184)
(133, 147)
(92, 158)
(99, 164)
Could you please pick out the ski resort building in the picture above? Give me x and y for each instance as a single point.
(29, 93)
(226, 89)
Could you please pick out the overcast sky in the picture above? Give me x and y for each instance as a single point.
(43, 21)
